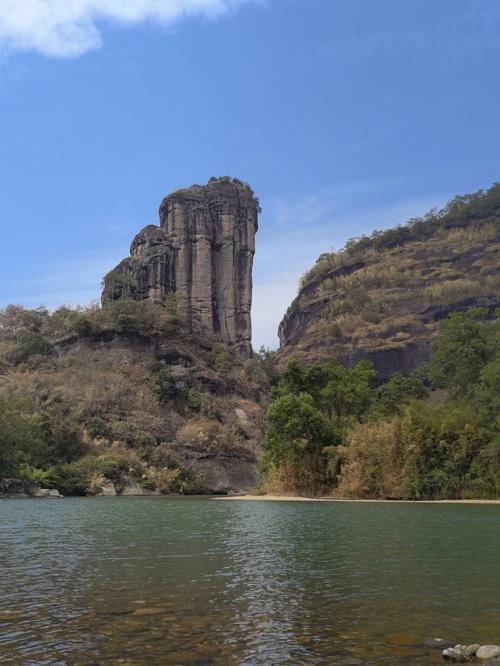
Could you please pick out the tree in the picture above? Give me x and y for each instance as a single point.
(15, 320)
(486, 393)
(20, 434)
(465, 344)
(31, 343)
(348, 393)
(295, 441)
(311, 409)
(397, 392)
(296, 427)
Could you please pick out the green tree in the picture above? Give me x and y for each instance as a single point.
(31, 343)
(312, 407)
(486, 393)
(348, 393)
(465, 344)
(15, 320)
(395, 393)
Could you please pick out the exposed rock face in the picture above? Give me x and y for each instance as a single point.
(382, 297)
(202, 252)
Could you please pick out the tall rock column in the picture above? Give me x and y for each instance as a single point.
(202, 252)
(212, 230)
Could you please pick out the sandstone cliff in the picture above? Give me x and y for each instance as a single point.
(202, 253)
(382, 296)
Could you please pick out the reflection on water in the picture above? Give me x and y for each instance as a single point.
(140, 581)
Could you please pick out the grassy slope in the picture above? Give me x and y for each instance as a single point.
(104, 382)
(382, 296)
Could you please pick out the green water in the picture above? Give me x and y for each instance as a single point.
(154, 581)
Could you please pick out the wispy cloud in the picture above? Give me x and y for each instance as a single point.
(66, 28)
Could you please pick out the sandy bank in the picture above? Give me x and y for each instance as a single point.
(298, 498)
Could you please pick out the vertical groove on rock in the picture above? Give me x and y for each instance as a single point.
(203, 252)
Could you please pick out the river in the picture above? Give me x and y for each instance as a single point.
(196, 582)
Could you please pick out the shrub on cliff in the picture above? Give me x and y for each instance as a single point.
(459, 212)
(30, 343)
(220, 359)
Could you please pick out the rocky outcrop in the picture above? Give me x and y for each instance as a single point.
(14, 488)
(46, 492)
(382, 297)
(202, 253)
(22, 488)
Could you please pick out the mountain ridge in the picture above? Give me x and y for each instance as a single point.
(381, 296)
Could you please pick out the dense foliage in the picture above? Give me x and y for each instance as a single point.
(434, 435)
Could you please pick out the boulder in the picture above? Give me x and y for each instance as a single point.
(46, 492)
(241, 415)
(14, 488)
(488, 652)
(471, 650)
(460, 653)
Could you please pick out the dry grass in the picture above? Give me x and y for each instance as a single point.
(373, 461)
(382, 305)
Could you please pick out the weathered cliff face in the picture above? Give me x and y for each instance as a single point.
(382, 297)
(203, 253)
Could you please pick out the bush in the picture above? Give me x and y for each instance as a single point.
(97, 428)
(164, 386)
(30, 344)
(220, 359)
(75, 478)
(179, 480)
(194, 399)
(40, 477)
(132, 436)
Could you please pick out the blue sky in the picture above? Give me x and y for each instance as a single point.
(344, 115)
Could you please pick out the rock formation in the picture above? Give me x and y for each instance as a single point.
(383, 296)
(203, 253)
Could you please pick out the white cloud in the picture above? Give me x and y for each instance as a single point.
(65, 28)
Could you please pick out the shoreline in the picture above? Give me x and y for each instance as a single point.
(300, 498)
(260, 498)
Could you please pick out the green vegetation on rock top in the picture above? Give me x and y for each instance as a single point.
(461, 211)
(382, 297)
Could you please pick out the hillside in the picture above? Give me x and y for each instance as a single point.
(157, 390)
(382, 296)
(123, 399)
